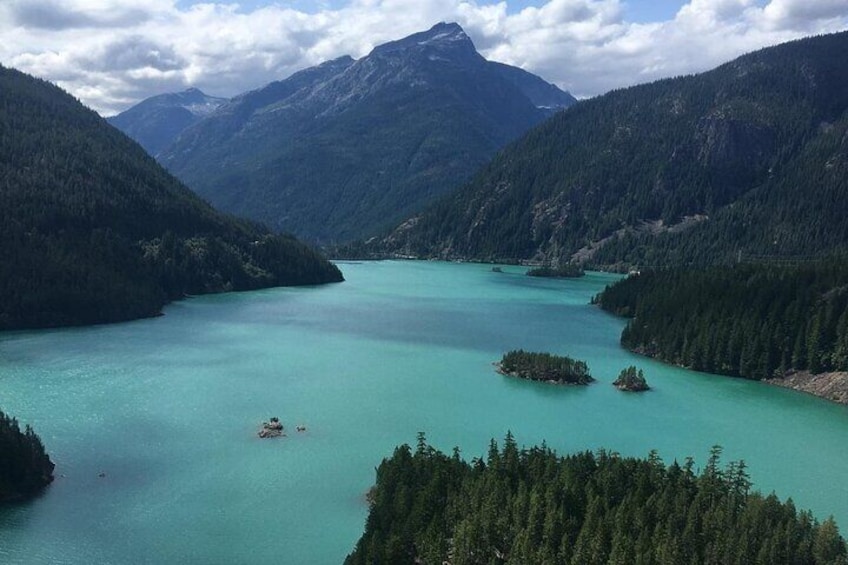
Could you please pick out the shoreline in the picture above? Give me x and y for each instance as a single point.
(832, 386)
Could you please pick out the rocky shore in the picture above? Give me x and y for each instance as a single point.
(830, 386)
(273, 428)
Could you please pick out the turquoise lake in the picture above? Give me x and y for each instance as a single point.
(167, 410)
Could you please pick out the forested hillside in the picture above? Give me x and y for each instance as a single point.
(534, 506)
(25, 467)
(751, 321)
(751, 156)
(93, 230)
(350, 147)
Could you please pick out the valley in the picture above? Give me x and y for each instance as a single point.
(164, 271)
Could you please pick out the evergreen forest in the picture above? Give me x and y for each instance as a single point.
(564, 271)
(25, 467)
(534, 506)
(93, 230)
(749, 320)
(544, 367)
(631, 379)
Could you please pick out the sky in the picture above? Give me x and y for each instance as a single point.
(111, 54)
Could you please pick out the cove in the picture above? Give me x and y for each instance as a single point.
(167, 410)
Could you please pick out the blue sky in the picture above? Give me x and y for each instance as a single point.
(112, 54)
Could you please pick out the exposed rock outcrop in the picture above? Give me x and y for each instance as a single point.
(272, 428)
(830, 386)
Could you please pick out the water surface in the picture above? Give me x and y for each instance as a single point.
(168, 408)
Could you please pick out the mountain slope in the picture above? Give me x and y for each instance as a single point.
(798, 214)
(678, 171)
(93, 230)
(155, 122)
(340, 150)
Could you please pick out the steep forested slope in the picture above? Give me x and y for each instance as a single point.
(93, 230)
(344, 149)
(683, 170)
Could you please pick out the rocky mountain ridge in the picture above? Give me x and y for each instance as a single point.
(156, 122)
(345, 148)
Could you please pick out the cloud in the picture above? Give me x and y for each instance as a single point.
(803, 14)
(113, 53)
(57, 15)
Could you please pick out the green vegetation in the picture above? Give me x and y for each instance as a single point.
(544, 367)
(533, 506)
(93, 230)
(565, 271)
(631, 380)
(750, 156)
(751, 321)
(25, 468)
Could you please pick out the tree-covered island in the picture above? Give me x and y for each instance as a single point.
(564, 271)
(544, 367)
(25, 467)
(534, 506)
(631, 379)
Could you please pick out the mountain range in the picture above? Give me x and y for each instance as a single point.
(93, 230)
(157, 121)
(343, 149)
(750, 158)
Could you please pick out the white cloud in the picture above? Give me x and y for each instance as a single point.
(113, 53)
(804, 14)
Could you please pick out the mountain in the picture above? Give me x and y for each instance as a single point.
(156, 122)
(341, 150)
(93, 230)
(747, 159)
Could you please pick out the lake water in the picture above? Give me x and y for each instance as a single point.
(167, 409)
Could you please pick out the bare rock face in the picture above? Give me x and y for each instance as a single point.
(831, 386)
(272, 428)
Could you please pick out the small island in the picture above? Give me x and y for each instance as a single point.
(564, 271)
(631, 380)
(544, 367)
(272, 428)
(26, 468)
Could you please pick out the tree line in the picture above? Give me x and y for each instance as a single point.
(534, 506)
(754, 321)
(25, 467)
